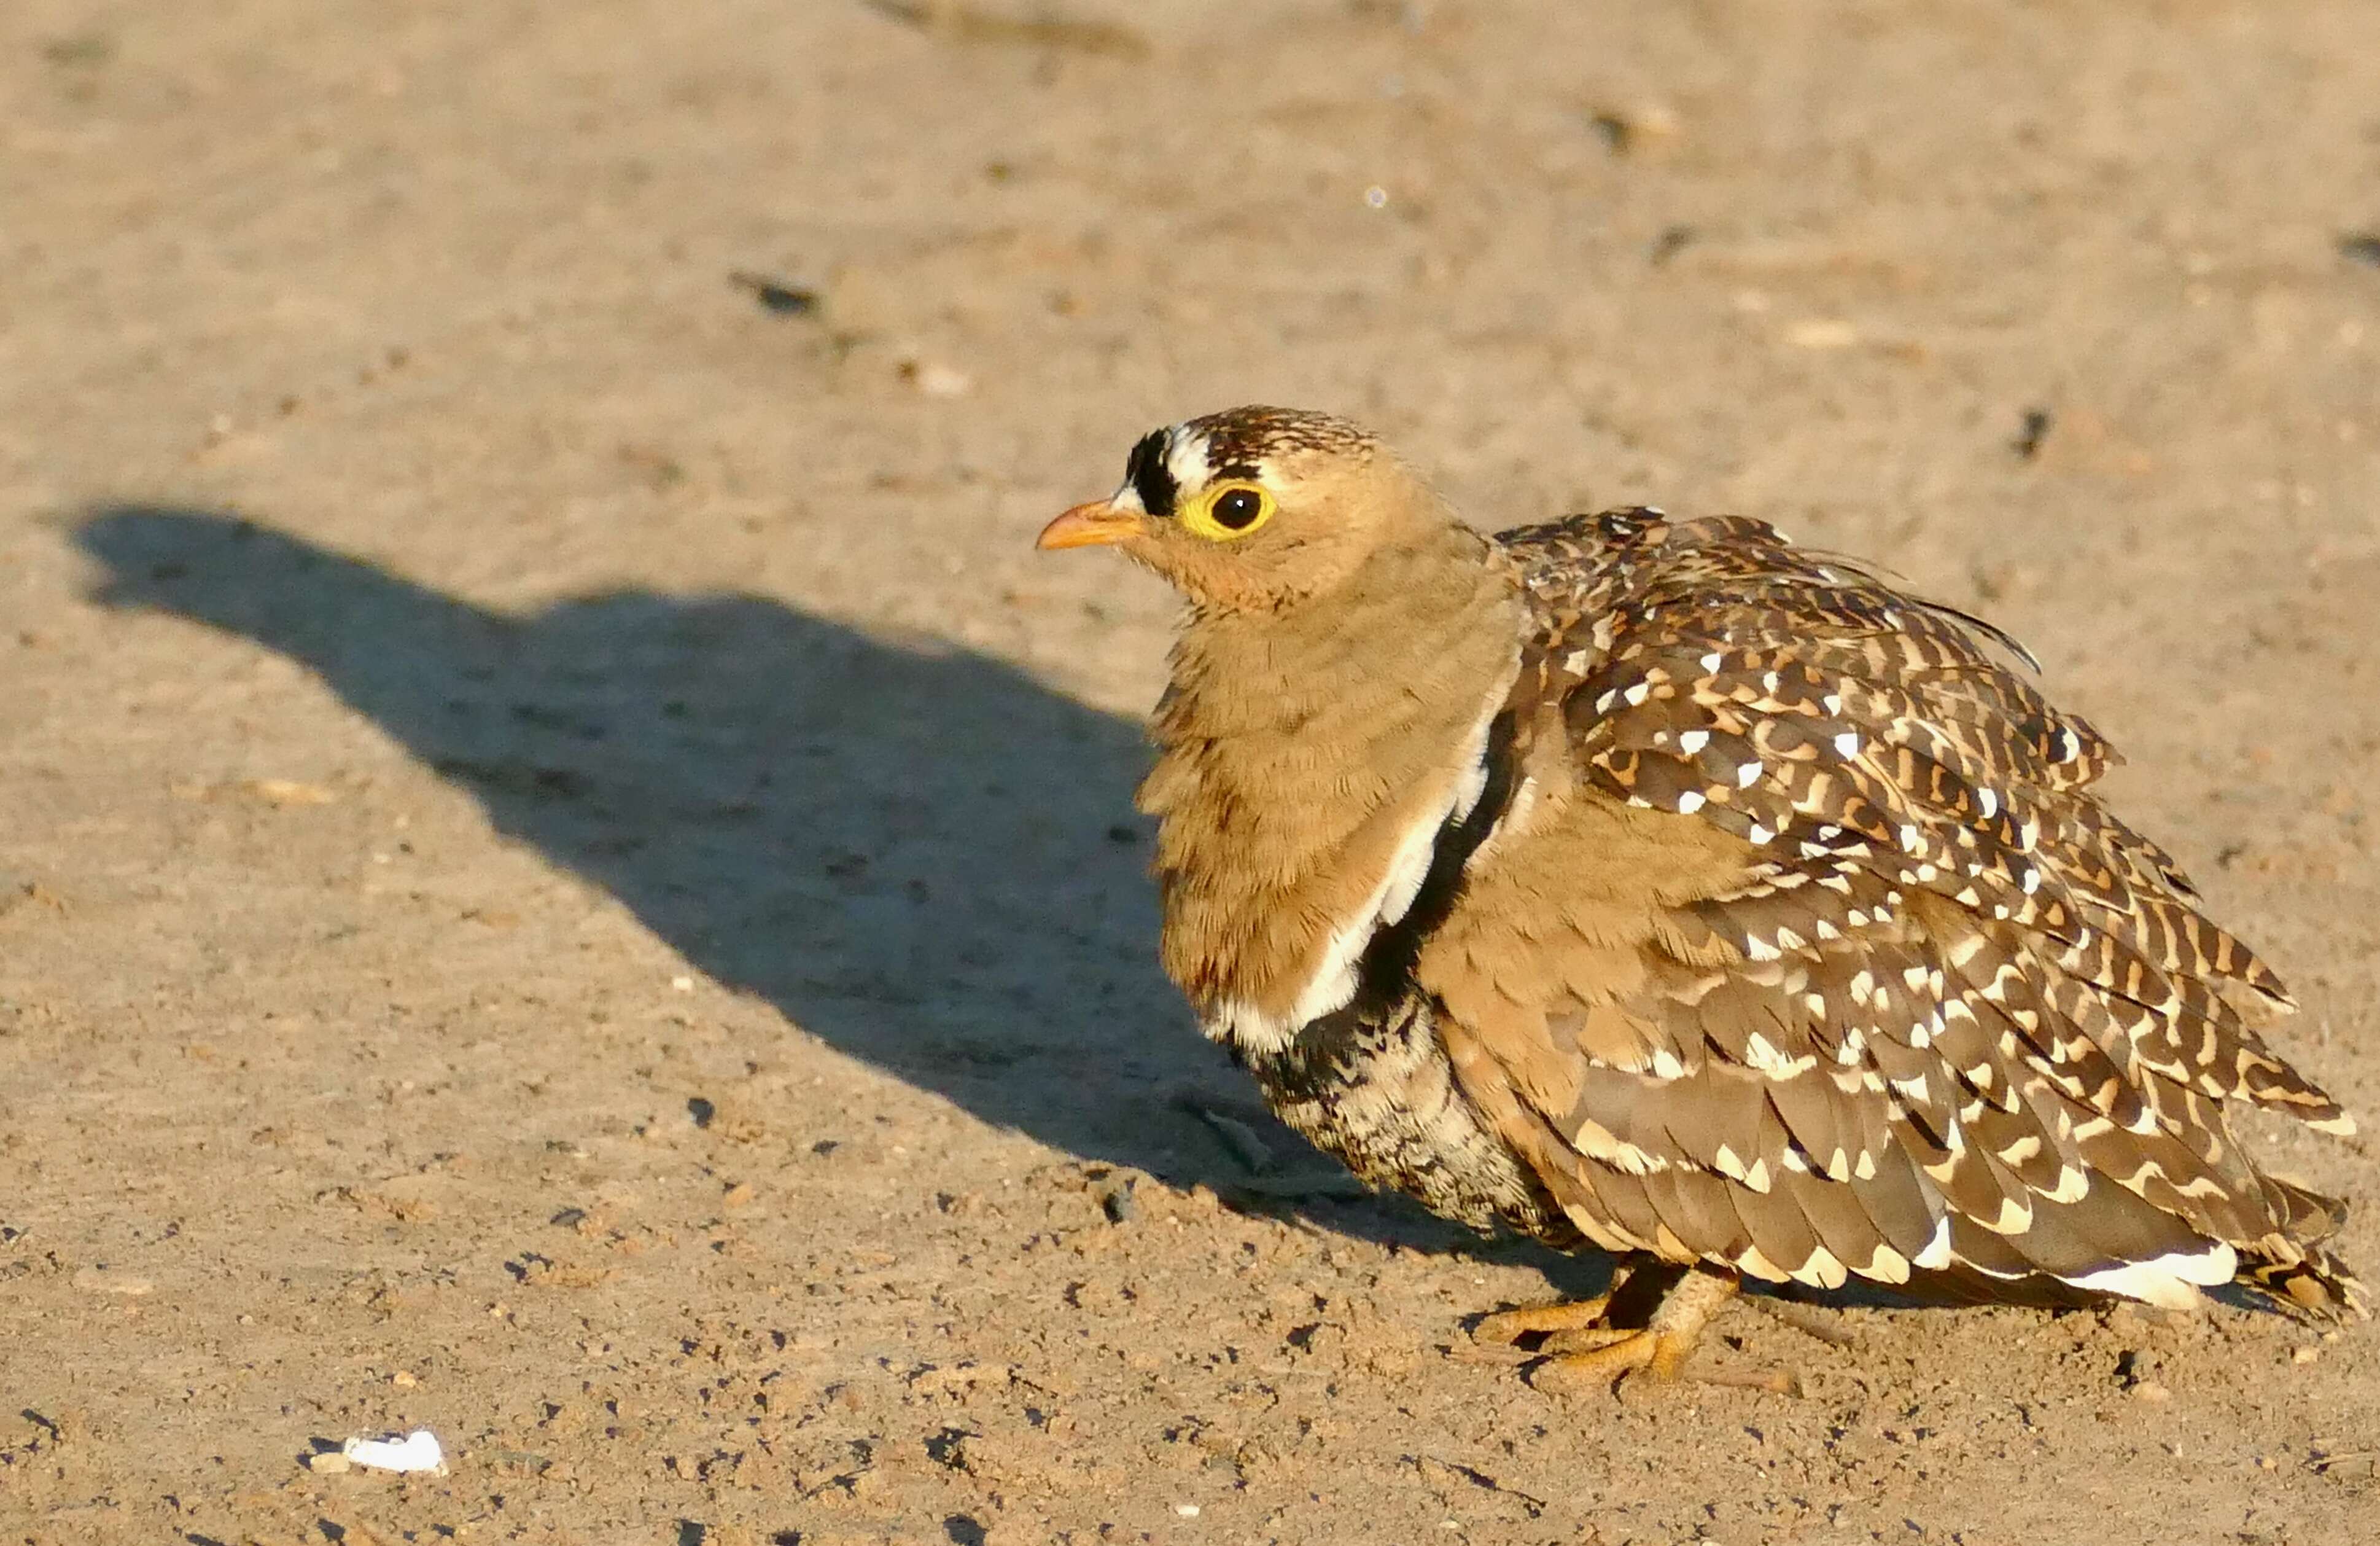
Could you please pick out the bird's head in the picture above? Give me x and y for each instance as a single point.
(1255, 507)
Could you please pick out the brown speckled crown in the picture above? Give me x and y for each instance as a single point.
(1237, 442)
(1238, 439)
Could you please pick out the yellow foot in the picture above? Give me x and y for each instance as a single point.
(1509, 1326)
(1582, 1351)
(1639, 1358)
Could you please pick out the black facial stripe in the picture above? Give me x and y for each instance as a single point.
(1149, 475)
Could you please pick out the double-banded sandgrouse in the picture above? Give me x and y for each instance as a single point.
(1659, 885)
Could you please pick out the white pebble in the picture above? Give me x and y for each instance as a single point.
(416, 1451)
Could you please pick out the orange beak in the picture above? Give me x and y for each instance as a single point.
(1097, 524)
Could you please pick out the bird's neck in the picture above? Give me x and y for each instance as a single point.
(1307, 757)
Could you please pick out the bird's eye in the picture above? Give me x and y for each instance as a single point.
(1230, 510)
(1239, 509)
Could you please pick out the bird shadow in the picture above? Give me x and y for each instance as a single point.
(915, 852)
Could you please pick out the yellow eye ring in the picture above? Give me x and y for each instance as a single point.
(1230, 510)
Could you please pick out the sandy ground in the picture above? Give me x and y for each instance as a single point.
(569, 879)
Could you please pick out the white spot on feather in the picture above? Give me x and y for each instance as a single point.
(2015, 1217)
(1763, 1055)
(1753, 1262)
(2169, 1282)
(1598, 1142)
(1886, 1266)
(1692, 741)
(1821, 1271)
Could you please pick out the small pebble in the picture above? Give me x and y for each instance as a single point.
(937, 380)
(416, 1451)
(2033, 428)
(330, 1463)
(1630, 129)
(776, 295)
(102, 1280)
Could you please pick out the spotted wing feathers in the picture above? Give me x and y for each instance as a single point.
(1949, 1014)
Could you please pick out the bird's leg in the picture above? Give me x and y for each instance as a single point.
(1581, 1357)
(1659, 1350)
(1561, 1319)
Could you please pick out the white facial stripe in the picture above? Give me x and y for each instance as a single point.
(1185, 459)
(1127, 498)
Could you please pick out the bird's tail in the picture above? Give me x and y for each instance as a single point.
(2294, 1266)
